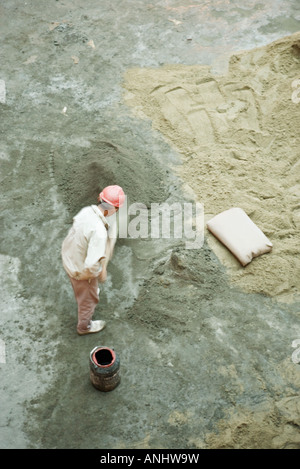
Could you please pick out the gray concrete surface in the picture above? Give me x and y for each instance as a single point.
(194, 350)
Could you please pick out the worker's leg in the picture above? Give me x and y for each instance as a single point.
(87, 297)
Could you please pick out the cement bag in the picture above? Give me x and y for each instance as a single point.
(239, 234)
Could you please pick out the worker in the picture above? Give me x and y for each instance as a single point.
(86, 252)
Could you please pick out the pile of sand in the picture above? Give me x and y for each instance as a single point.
(238, 135)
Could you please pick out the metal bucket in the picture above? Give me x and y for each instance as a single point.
(104, 368)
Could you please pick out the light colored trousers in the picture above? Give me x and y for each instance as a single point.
(87, 297)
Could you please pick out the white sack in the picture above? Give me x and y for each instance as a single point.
(239, 234)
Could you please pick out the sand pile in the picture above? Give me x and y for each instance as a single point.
(238, 136)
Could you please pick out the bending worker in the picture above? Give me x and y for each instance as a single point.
(86, 252)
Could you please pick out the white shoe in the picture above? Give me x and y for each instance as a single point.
(95, 326)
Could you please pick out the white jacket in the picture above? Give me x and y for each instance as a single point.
(86, 243)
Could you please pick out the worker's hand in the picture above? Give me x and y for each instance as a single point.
(103, 275)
